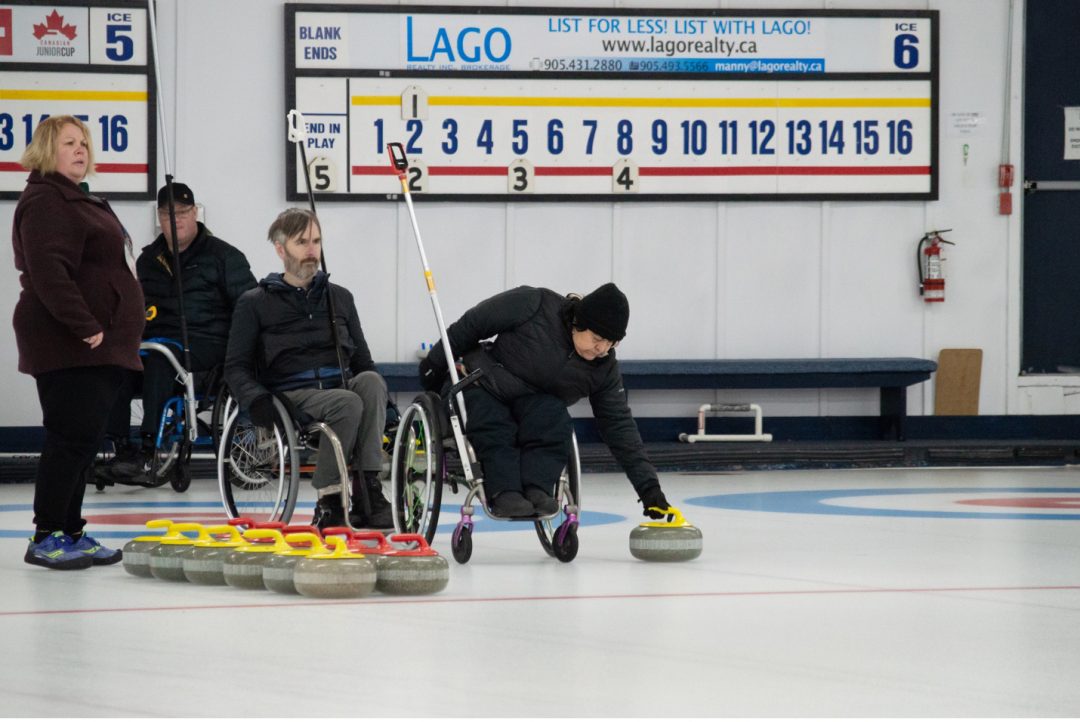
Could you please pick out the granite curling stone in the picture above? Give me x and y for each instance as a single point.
(243, 567)
(136, 557)
(280, 569)
(167, 558)
(418, 570)
(205, 563)
(337, 574)
(666, 541)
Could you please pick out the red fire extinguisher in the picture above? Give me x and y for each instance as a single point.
(928, 260)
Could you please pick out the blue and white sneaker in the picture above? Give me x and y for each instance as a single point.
(99, 555)
(56, 551)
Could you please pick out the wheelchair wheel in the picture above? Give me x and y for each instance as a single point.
(416, 469)
(223, 404)
(259, 470)
(558, 535)
(180, 478)
(167, 454)
(461, 545)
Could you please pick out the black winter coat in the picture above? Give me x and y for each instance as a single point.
(280, 332)
(534, 353)
(215, 276)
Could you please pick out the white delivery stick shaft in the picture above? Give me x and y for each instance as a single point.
(434, 296)
(157, 79)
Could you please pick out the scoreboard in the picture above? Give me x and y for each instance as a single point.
(605, 104)
(91, 60)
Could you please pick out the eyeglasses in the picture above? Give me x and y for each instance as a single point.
(601, 344)
(181, 212)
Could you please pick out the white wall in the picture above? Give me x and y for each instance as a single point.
(706, 280)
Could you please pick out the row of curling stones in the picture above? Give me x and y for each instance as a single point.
(671, 540)
(398, 569)
(261, 558)
(413, 567)
(175, 556)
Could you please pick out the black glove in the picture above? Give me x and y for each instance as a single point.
(433, 373)
(261, 412)
(653, 496)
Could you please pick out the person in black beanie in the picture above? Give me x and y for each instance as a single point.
(550, 351)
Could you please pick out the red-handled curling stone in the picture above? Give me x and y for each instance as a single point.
(137, 551)
(418, 570)
(666, 541)
(337, 574)
(243, 566)
(279, 570)
(244, 523)
(167, 558)
(205, 563)
(368, 542)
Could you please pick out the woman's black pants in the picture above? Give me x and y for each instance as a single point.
(75, 405)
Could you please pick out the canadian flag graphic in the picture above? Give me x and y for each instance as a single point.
(5, 31)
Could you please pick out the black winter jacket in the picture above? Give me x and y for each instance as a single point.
(215, 275)
(534, 353)
(280, 333)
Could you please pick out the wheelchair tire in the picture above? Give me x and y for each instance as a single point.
(165, 457)
(461, 545)
(223, 403)
(180, 479)
(566, 549)
(568, 494)
(258, 470)
(417, 468)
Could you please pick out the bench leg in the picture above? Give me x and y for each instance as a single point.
(893, 412)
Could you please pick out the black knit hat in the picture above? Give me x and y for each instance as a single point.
(605, 312)
(181, 194)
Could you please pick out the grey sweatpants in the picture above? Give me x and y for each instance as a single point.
(357, 415)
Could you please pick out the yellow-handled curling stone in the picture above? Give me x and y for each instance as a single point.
(137, 551)
(167, 558)
(205, 562)
(243, 567)
(671, 540)
(279, 571)
(337, 574)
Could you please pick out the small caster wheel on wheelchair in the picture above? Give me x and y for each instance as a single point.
(180, 478)
(461, 544)
(564, 542)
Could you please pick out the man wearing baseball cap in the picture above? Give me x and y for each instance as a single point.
(214, 274)
(550, 351)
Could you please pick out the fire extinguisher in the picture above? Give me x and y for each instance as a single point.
(928, 261)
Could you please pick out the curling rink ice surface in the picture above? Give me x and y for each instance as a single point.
(819, 593)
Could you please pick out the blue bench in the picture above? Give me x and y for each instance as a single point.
(891, 375)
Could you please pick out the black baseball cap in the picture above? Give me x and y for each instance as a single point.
(182, 196)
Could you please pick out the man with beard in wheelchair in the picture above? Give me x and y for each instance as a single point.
(280, 344)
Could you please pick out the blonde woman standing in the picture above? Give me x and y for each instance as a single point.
(78, 324)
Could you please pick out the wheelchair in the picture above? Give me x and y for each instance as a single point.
(186, 420)
(259, 469)
(431, 451)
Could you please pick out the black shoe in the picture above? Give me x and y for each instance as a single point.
(543, 501)
(512, 504)
(382, 513)
(328, 512)
(126, 463)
